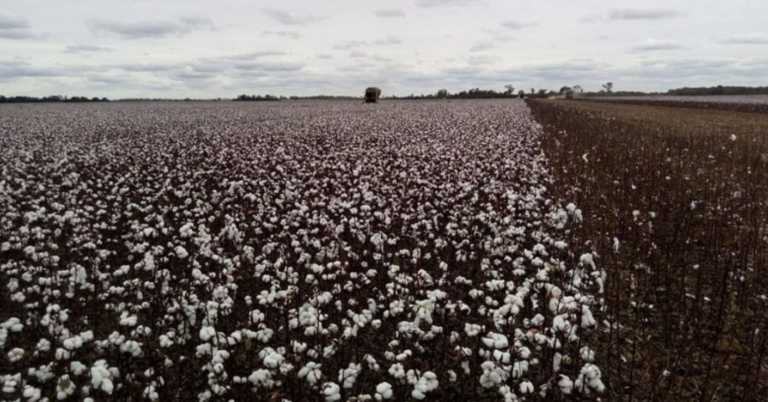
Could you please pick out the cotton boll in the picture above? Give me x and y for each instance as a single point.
(331, 392)
(426, 383)
(64, 388)
(526, 387)
(565, 385)
(587, 354)
(15, 355)
(206, 333)
(260, 377)
(181, 252)
(311, 371)
(383, 391)
(31, 394)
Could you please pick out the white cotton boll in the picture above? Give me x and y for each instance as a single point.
(77, 368)
(311, 371)
(426, 383)
(31, 393)
(587, 354)
(383, 391)
(348, 376)
(556, 360)
(12, 324)
(331, 392)
(107, 386)
(472, 329)
(187, 230)
(492, 375)
(260, 377)
(101, 376)
(181, 252)
(73, 343)
(565, 384)
(526, 387)
(397, 371)
(206, 333)
(43, 345)
(272, 359)
(128, 321)
(64, 388)
(15, 355)
(589, 377)
(494, 340)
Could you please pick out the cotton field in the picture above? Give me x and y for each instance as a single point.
(296, 251)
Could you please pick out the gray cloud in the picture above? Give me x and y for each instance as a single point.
(481, 46)
(17, 34)
(389, 13)
(287, 18)
(653, 45)
(633, 14)
(747, 39)
(388, 40)
(356, 44)
(13, 27)
(275, 67)
(86, 49)
(442, 3)
(517, 24)
(350, 44)
(152, 29)
(146, 67)
(16, 69)
(12, 22)
(254, 55)
(284, 34)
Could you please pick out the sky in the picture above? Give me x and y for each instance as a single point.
(210, 49)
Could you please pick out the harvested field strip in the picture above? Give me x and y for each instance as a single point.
(743, 107)
(675, 206)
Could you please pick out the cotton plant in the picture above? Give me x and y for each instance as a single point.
(309, 253)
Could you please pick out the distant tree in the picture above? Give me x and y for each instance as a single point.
(565, 89)
(443, 93)
(608, 87)
(578, 89)
(510, 90)
(533, 91)
(521, 94)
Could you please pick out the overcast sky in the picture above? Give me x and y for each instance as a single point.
(199, 48)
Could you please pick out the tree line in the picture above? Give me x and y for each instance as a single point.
(719, 90)
(50, 99)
